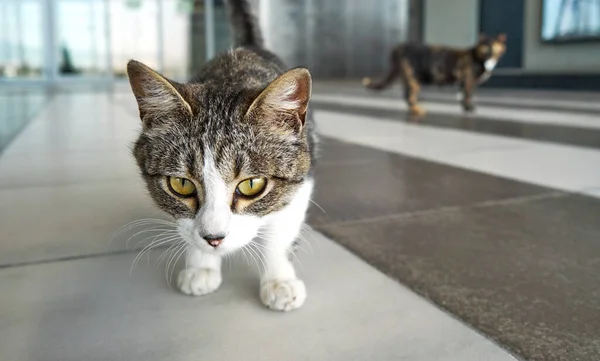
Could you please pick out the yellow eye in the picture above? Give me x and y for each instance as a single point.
(251, 187)
(181, 186)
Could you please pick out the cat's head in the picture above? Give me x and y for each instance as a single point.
(220, 159)
(490, 49)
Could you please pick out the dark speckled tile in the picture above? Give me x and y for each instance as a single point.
(334, 152)
(355, 182)
(525, 273)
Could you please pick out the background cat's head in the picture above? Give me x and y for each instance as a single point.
(218, 158)
(490, 49)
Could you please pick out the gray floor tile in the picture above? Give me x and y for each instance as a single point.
(379, 184)
(527, 273)
(92, 309)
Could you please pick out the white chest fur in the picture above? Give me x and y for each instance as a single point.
(490, 64)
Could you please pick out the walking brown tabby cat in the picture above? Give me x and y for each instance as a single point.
(416, 64)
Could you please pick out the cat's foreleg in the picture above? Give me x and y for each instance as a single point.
(202, 274)
(280, 288)
(467, 88)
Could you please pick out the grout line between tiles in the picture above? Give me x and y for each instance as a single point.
(447, 209)
(73, 258)
(423, 298)
(64, 184)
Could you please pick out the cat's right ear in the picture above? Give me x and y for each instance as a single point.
(284, 102)
(156, 96)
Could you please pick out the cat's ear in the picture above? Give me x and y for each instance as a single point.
(501, 37)
(156, 96)
(285, 100)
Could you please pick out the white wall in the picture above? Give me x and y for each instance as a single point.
(564, 58)
(451, 22)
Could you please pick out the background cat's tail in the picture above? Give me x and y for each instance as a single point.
(381, 84)
(390, 77)
(246, 31)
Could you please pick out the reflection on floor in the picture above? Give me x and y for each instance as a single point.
(480, 219)
(17, 107)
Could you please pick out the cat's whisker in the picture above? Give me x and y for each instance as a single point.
(147, 249)
(243, 249)
(302, 239)
(298, 246)
(318, 206)
(258, 258)
(177, 247)
(159, 242)
(253, 256)
(297, 260)
(227, 261)
(261, 254)
(166, 253)
(262, 246)
(144, 231)
(130, 225)
(181, 252)
(154, 238)
(293, 254)
(247, 248)
(141, 222)
(311, 232)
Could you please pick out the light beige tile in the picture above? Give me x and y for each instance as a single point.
(43, 223)
(92, 309)
(58, 168)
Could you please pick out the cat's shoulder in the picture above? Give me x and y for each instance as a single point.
(242, 61)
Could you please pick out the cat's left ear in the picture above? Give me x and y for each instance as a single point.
(285, 100)
(501, 37)
(156, 96)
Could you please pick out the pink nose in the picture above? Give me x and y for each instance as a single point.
(214, 240)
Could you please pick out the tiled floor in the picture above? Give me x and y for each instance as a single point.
(518, 261)
(477, 215)
(474, 213)
(67, 183)
(17, 107)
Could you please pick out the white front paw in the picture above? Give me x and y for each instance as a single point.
(198, 281)
(283, 295)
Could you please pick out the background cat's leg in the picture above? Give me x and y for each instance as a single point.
(467, 87)
(411, 88)
(459, 94)
(202, 274)
(280, 289)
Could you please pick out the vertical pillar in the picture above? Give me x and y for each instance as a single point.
(161, 41)
(209, 22)
(49, 41)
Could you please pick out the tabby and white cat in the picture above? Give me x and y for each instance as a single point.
(230, 155)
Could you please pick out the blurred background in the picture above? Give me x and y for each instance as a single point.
(492, 217)
(553, 44)
(53, 40)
